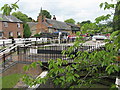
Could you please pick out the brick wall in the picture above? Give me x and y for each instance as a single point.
(12, 27)
(40, 26)
(0, 25)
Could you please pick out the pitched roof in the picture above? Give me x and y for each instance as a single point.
(70, 24)
(58, 24)
(9, 18)
(31, 24)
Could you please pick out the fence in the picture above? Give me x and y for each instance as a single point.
(42, 52)
(7, 60)
(52, 51)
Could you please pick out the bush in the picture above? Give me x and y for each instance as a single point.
(37, 35)
(18, 36)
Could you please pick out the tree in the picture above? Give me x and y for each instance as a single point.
(22, 17)
(84, 22)
(116, 20)
(86, 69)
(78, 23)
(45, 13)
(27, 32)
(7, 9)
(72, 21)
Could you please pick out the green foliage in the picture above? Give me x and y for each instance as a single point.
(107, 6)
(27, 32)
(37, 35)
(85, 22)
(102, 18)
(72, 21)
(89, 26)
(116, 19)
(7, 9)
(85, 65)
(22, 17)
(45, 13)
(87, 68)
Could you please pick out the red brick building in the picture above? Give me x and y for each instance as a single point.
(51, 25)
(10, 26)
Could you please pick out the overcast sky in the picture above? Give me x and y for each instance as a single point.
(79, 10)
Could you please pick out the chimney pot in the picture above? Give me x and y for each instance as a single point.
(54, 18)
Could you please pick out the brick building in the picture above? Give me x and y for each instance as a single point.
(51, 25)
(10, 26)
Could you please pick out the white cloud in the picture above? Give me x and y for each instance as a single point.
(63, 9)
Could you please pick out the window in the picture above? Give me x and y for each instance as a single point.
(5, 24)
(18, 33)
(18, 25)
(1, 34)
(10, 33)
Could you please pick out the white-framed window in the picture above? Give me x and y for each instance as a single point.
(5, 24)
(18, 25)
(18, 33)
(11, 34)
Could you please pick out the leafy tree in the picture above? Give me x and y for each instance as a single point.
(116, 20)
(7, 9)
(22, 17)
(78, 23)
(27, 32)
(45, 13)
(87, 68)
(72, 21)
(89, 26)
(109, 23)
(84, 22)
(107, 27)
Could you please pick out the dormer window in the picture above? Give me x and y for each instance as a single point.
(5, 24)
(18, 25)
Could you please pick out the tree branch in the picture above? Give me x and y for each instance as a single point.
(16, 1)
(86, 76)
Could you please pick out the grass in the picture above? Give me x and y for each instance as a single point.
(11, 80)
(2, 47)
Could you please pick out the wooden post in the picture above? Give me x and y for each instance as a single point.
(3, 43)
(17, 50)
(4, 60)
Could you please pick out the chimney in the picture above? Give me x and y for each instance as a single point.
(44, 18)
(54, 18)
